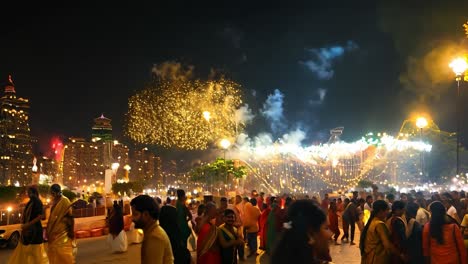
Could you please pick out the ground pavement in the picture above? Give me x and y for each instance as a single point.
(95, 251)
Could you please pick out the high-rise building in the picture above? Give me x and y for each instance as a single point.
(120, 156)
(102, 129)
(102, 132)
(47, 171)
(146, 166)
(82, 162)
(85, 161)
(15, 138)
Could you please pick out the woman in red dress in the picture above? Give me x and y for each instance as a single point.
(208, 249)
(333, 219)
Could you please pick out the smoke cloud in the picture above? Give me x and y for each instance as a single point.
(426, 45)
(273, 111)
(173, 71)
(321, 93)
(321, 63)
(244, 115)
(294, 137)
(428, 75)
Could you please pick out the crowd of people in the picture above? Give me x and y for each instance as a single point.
(415, 230)
(229, 231)
(410, 229)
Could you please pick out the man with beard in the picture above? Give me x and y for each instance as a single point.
(156, 247)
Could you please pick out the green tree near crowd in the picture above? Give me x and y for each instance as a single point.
(127, 187)
(220, 170)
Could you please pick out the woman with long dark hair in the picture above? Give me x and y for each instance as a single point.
(30, 248)
(397, 227)
(375, 244)
(442, 240)
(117, 239)
(414, 233)
(306, 235)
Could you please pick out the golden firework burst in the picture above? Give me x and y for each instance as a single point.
(188, 114)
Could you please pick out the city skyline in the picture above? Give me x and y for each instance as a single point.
(88, 62)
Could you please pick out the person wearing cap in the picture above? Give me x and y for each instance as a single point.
(60, 226)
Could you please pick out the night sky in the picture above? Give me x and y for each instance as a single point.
(364, 65)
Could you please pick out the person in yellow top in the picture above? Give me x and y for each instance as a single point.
(375, 244)
(464, 228)
(60, 231)
(156, 247)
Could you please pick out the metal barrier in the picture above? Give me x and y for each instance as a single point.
(88, 212)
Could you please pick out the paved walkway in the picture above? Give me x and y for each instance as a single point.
(343, 253)
(95, 251)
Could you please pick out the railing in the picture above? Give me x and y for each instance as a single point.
(10, 218)
(88, 212)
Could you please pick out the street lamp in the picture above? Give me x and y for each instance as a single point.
(114, 166)
(225, 143)
(207, 115)
(459, 66)
(421, 123)
(127, 169)
(9, 209)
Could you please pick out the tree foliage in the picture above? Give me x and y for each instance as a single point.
(127, 187)
(440, 163)
(69, 194)
(9, 194)
(220, 170)
(44, 190)
(365, 184)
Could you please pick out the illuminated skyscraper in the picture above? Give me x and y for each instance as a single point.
(82, 162)
(102, 129)
(85, 161)
(146, 166)
(102, 133)
(15, 138)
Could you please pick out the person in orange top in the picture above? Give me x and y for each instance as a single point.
(442, 240)
(252, 214)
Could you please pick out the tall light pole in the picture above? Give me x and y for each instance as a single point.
(225, 143)
(127, 169)
(9, 209)
(421, 123)
(115, 166)
(459, 66)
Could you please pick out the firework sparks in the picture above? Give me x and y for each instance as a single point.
(341, 165)
(187, 114)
